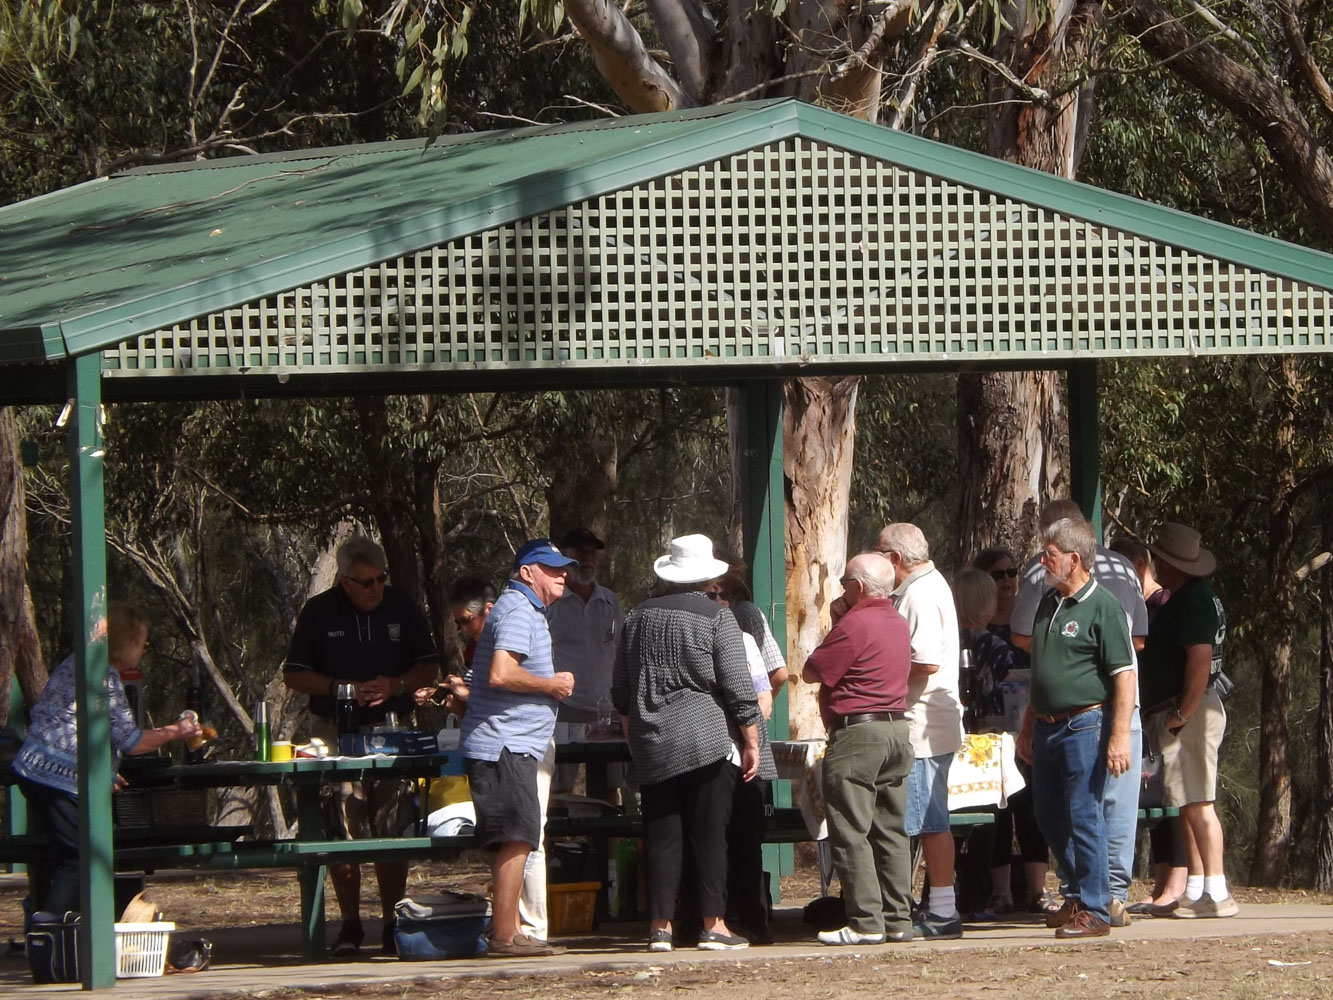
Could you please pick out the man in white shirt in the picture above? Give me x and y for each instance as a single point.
(934, 715)
(585, 629)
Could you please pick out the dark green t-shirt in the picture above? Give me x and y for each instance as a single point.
(1192, 617)
(1078, 643)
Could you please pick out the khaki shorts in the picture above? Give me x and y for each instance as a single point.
(1189, 758)
(360, 810)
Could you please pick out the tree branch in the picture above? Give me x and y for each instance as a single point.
(1291, 24)
(688, 31)
(623, 59)
(1259, 104)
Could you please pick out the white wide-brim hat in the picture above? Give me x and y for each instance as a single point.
(690, 561)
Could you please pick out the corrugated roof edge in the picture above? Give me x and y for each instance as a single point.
(444, 142)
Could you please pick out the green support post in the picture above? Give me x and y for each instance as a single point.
(764, 531)
(97, 944)
(1085, 442)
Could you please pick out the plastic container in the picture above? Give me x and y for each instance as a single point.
(141, 949)
(571, 906)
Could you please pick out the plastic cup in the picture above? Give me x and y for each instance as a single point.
(281, 750)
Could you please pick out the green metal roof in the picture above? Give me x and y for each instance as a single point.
(93, 266)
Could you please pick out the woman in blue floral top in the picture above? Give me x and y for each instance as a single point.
(47, 763)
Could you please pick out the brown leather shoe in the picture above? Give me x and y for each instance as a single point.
(1084, 925)
(1062, 916)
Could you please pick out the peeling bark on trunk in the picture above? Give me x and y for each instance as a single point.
(1323, 847)
(1272, 840)
(1013, 457)
(819, 424)
(20, 650)
(753, 58)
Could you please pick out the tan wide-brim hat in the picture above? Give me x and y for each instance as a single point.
(1178, 545)
(690, 561)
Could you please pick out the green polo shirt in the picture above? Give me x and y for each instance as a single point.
(1078, 644)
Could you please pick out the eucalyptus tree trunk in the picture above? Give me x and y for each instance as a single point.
(1323, 846)
(20, 650)
(1272, 839)
(1013, 432)
(818, 430)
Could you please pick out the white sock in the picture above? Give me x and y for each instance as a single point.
(942, 902)
(1215, 886)
(1193, 887)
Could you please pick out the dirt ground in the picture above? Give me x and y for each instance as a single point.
(1260, 967)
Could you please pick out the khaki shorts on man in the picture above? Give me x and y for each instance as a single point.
(1189, 756)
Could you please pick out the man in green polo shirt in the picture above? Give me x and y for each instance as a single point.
(1181, 663)
(1076, 728)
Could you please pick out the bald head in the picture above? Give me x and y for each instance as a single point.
(872, 574)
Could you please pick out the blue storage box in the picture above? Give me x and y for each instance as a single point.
(453, 925)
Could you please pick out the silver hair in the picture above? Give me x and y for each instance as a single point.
(907, 540)
(360, 549)
(874, 575)
(1073, 535)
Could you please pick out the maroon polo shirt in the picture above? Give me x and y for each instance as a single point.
(863, 663)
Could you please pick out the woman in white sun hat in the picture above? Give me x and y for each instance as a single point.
(686, 700)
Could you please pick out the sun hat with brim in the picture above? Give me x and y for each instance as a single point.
(1178, 545)
(690, 561)
(541, 552)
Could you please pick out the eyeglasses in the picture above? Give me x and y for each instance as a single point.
(463, 621)
(369, 581)
(713, 595)
(999, 574)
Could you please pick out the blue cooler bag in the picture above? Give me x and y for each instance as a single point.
(450, 925)
(52, 944)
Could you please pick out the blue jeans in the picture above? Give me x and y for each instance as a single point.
(1068, 785)
(1120, 812)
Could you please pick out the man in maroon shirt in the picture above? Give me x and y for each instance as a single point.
(862, 667)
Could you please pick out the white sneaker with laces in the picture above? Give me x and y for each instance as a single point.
(845, 935)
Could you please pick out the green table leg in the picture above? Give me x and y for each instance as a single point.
(311, 817)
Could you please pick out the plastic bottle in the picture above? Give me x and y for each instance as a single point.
(625, 895)
(608, 723)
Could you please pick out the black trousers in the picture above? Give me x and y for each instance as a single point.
(58, 814)
(689, 812)
(748, 898)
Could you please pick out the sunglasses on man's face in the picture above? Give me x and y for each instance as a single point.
(717, 595)
(369, 581)
(1000, 574)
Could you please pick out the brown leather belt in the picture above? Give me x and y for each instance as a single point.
(843, 721)
(1062, 716)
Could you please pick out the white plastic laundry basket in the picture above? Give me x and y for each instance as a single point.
(141, 949)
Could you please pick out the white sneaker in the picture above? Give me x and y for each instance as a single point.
(1205, 906)
(845, 935)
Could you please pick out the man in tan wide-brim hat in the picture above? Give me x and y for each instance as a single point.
(1178, 668)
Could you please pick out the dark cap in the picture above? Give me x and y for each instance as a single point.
(581, 536)
(542, 552)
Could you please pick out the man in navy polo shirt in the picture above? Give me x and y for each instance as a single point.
(362, 632)
(508, 725)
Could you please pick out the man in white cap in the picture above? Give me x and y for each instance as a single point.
(1180, 666)
(684, 694)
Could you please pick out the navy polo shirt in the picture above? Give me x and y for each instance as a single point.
(335, 639)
